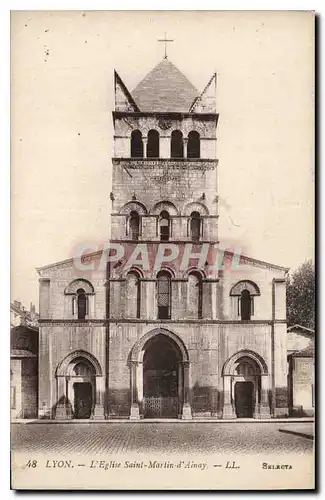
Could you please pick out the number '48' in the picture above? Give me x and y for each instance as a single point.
(31, 463)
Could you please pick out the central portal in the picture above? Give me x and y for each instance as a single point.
(161, 373)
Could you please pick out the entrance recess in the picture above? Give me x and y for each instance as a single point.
(83, 399)
(245, 386)
(80, 387)
(244, 401)
(159, 376)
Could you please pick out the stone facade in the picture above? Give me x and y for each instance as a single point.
(118, 341)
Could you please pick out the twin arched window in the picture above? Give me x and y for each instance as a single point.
(137, 144)
(164, 295)
(176, 144)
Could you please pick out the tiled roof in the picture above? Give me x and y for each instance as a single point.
(165, 88)
(300, 327)
(307, 352)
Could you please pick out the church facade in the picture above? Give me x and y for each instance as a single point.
(170, 326)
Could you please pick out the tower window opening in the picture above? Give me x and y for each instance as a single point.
(195, 226)
(153, 144)
(134, 225)
(177, 146)
(164, 226)
(193, 145)
(164, 295)
(136, 144)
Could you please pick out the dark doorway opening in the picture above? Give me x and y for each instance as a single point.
(244, 399)
(83, 399)
(160, 378)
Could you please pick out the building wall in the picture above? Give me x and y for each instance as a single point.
(24, 383)
(56, 342)
(208, 346)
(15, 386)
(302, 373)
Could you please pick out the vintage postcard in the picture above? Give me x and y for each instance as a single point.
(162, 308)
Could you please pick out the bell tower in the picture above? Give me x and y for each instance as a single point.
(164, 198)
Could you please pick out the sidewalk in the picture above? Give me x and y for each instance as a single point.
(166, 420)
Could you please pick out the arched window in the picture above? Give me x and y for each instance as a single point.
(246, 305)
(193, 145)
(82, 303)
(164, 295)
(133, 295)
(134, 225)
(164, 225)
(195, 226)
(195, 295)
(176, 145)
(136, 144)
(153, 144)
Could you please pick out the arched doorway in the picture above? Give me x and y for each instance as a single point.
(80, 387)
(159, 369)
(160, 377)
(245, 386)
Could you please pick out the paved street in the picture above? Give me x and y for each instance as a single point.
(114, 438)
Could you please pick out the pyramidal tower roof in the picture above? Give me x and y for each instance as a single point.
(165, 88)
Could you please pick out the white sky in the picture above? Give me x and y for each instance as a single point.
(61, 180)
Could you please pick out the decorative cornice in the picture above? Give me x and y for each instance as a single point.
(167, 114)
(177, 163)
(102, 322)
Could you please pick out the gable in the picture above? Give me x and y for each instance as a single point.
(123, 99)
(206, 101)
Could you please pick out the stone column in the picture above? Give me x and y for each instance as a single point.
(228, 409)
(99, 399)
(180, 389)
(264, 405)
(145, 142)
(186, 410)
(185, 141)
(134, 412)
(61, 407)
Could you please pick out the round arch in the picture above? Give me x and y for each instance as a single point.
(134, 206)
(195, 206)
(229, 366)
(138, 348)
(63, 366)
(245, 285)
(168, 206)
(79, 283)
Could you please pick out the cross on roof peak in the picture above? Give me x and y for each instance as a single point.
(165, 40)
